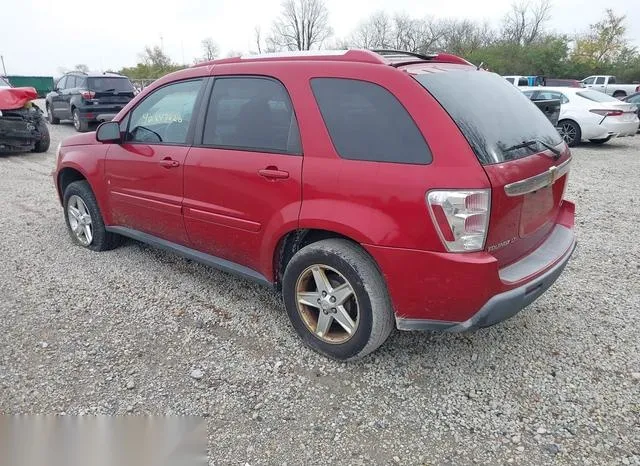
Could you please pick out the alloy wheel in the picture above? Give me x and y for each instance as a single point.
(568, 132)
(76, 120)
(327, 304)
(80, 220)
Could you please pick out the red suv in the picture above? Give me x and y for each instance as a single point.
(371, 188)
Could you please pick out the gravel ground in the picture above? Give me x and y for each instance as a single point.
(142, 331)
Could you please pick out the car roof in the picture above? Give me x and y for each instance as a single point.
(95, 74)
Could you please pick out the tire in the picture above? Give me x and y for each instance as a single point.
(45, 140)
(101, 239)
(80, 125)
(343, 263)
(570, 132)
(599, 141)
(53, 120)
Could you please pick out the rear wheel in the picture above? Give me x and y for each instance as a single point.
(84, 220)
(53, 120)
(45, 140)
(337, 300)
(570, 132)
(79, 124)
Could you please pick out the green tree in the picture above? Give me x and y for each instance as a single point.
(153, 64)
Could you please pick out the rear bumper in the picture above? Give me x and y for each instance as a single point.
(451, 291)
(500, 307)
(100, 112)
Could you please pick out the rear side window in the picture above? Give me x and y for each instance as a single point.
(523, 82)
(600, 80)
(251, 113)
(366, 122)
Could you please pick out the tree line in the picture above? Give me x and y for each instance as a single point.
(520, 44)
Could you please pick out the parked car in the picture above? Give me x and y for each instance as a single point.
(634, 99)
(590, 115)
(608, 85)
(526, 81)
(22, 124)
(554, 82)
(88, 98)
(420, 203)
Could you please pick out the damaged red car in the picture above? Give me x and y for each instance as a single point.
(22, 123)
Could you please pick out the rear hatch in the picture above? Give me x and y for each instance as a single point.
(110, 89)
(521, 152)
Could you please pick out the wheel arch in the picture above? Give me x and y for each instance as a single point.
(294, 240)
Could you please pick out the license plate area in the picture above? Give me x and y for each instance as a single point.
(537, 210)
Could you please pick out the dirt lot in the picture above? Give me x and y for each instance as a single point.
(142, 331)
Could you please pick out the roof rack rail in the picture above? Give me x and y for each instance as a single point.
(389, 53)
(400, 57)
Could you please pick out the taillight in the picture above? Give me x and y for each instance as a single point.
(461, 217)
(88, 95)
(607, 112)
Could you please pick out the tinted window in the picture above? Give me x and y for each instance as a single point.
(251, 114)
(551, 95)
(366, 122)
(596, 96)
(62, 83)
(164, 116)
(109, 84)
(612, 80)
(492, 114)
(523, 82)
(589, 80)
(600, 80)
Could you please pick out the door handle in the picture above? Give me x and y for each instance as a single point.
(273, 173)
(168, 162)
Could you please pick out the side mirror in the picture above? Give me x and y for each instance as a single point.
(109, 131)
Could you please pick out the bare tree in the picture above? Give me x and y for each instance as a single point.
(210, 49)
(524, 23)
(257, 34)
(302, 25)
(82, 68)
(463, 37)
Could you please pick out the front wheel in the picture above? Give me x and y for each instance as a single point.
(84, 220)
(42, 145)
(570, 132)
(337, 300)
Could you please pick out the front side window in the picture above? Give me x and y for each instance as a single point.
(366, 122)
(589, 80)
(164, 116)
(251, 113)
(62, 82)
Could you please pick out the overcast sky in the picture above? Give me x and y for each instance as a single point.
(38, 37)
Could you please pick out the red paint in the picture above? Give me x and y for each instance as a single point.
(238, 205)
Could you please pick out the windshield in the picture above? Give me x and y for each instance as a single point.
(492, 114)
(4, 83)
(109, 84)
(597, 96)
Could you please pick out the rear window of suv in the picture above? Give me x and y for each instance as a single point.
(109, 84)
(491, 113)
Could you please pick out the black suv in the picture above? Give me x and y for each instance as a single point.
(88, 98)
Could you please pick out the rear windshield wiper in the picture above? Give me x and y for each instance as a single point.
(531, 142)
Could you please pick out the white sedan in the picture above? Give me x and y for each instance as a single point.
(587, 115)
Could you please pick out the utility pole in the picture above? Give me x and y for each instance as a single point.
(4, 70)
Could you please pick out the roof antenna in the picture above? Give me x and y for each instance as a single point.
(480, 65)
